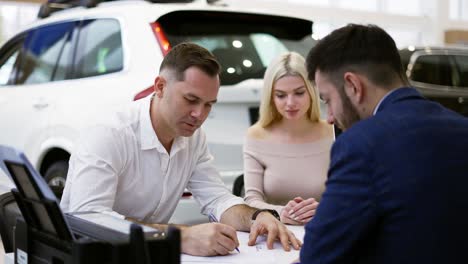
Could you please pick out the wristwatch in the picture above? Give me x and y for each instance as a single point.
(271, 211)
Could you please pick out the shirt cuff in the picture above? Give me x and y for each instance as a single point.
(223, 206)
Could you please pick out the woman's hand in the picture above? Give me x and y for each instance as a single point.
(299, 211)
(285, 216)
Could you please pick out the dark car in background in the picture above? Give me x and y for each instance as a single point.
(440, 74)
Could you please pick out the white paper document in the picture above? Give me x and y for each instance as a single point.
(258, 254)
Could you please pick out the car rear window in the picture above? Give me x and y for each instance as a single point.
(441, 69)
(243, 43)
(100, 49)
(462, 65)
(43, 48)
(433, 69)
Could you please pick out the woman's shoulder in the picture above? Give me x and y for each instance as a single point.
(257, 132)
(327, 128)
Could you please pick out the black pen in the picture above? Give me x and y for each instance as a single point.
(213, 219)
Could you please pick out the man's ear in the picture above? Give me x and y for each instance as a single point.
(159, 85)
(354, 87)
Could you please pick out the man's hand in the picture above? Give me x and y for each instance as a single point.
(267, 224)
(209, 239)
(299, 211)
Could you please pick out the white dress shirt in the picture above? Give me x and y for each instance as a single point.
(123, 169)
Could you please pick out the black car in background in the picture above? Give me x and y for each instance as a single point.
(440, 74)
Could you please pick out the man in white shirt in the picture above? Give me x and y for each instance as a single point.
(138, 166)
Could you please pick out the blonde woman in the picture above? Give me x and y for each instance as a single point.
(287, 152)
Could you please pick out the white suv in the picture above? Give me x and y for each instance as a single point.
(74, 67)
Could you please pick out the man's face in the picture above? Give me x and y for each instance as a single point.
(340, 109)
(186, 104)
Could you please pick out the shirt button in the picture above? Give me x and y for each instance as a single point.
(164, 163)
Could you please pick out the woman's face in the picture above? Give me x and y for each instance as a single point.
(291, 97)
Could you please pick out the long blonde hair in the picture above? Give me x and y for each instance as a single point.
(287, 64)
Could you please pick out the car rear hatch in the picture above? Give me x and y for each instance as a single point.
(244, 44)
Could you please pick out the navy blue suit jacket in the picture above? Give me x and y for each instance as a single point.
(397, 188)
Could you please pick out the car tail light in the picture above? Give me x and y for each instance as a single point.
(161, 37)
(165, 47)
(143, 93)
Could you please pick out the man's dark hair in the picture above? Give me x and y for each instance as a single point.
(185, 55)
(364, 49)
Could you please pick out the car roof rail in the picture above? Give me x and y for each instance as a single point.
(52, 6)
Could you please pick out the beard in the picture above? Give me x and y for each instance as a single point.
(350, 114)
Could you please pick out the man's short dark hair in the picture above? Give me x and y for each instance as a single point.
(364, 49)
(185, 55)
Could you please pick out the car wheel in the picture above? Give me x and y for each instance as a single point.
(238, 186)
(56, 175)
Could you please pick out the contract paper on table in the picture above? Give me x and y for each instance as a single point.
(256, 254)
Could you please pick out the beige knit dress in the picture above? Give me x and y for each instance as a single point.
(275, 173)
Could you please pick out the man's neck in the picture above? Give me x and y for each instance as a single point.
(379, 93)
(160, 127)
(167, 144)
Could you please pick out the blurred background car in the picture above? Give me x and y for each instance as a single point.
(439, 73)
(77, 64)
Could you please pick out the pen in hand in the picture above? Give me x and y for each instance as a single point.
(213, 219)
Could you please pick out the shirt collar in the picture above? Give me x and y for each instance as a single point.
(381, 100)
(148, 138)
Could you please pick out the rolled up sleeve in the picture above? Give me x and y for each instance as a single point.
(206, 185)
